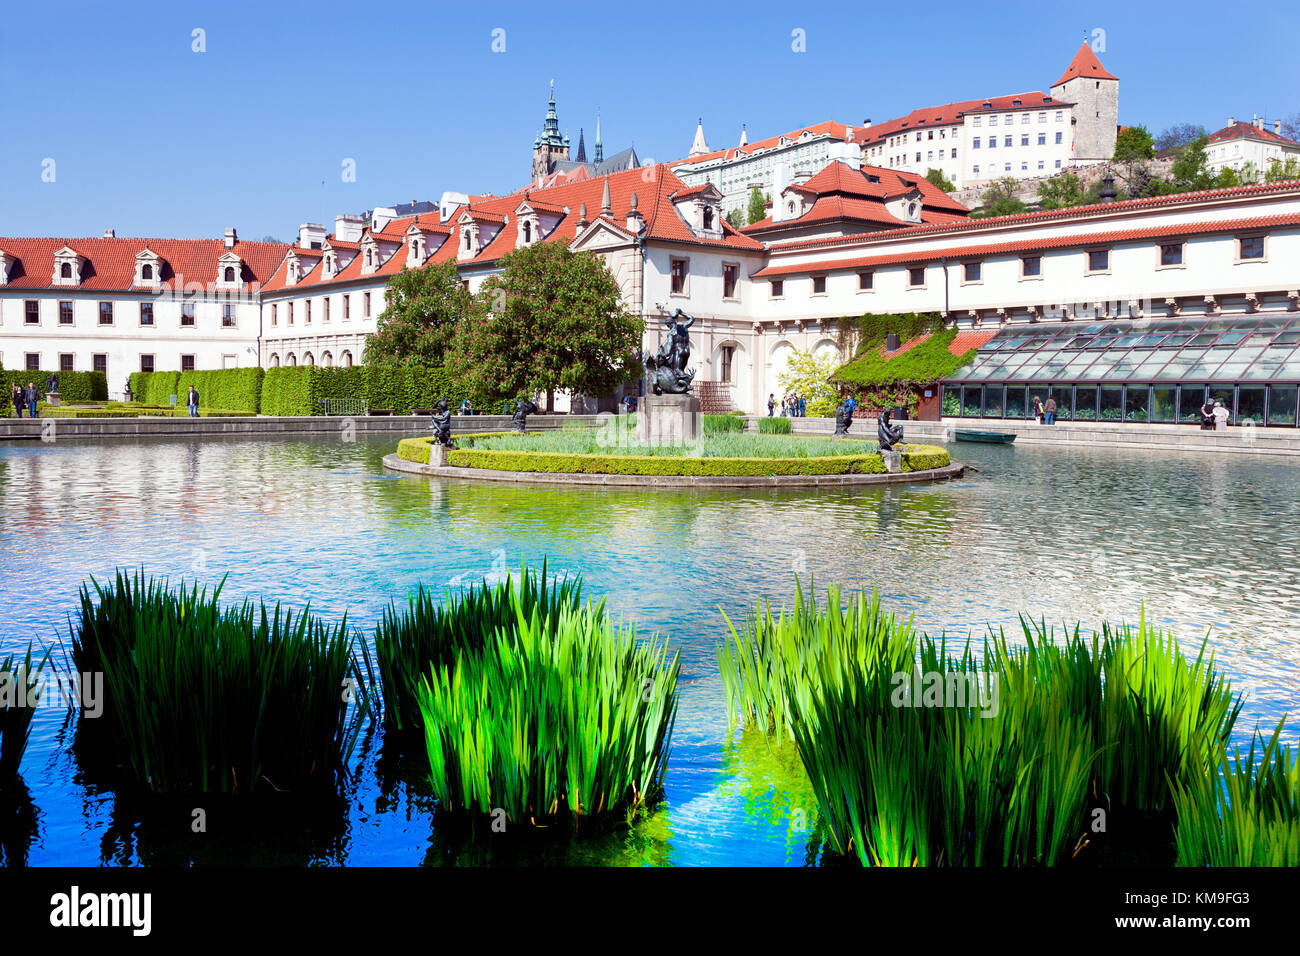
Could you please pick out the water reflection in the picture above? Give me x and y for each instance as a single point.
(1093, 534)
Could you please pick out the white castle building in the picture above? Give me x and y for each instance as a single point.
(1240, 145)
(1018, 135)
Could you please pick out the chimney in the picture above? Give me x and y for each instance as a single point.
(1232, 120)
(866, 123)
(1259, 122)
(110, 234)
(891, 342)
(348, 228)
(1277, 127)
(231, 238)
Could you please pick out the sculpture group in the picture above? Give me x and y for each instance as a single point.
(666, 371)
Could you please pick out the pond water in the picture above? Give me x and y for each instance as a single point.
(1205, 543)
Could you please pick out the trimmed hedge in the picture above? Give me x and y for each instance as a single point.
(401, 388)
(73, 386)
(225, 388)
(915, 458)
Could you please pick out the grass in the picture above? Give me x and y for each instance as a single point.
(558, 715)
(20, 683)
(714, 445)
(1121, 719)
(776, 426)
(201, 698)
(426, 634)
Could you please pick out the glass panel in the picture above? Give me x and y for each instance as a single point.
(1127, 341)
(1112, 403)
(951, 401)
(1229, 338)
(1267, 365)
(1178, 366)
(1135, 403)
(1154, 362)
(1127, 366)
(1290, 369)
(1190, 399)
(1179, 338)
(1150, 339)
(1282, 404)
(1064, 395)
(1164, 406)
(1016, 402)
(1250, 404)
(1085, 403)
(1237, 362)
(1101, 368)
(993, 401)
(1103, 341)
(972, 398)
(1287, 337)
(1204, 366)
(1203, 338)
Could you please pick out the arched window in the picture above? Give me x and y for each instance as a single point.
(291, 359)
(467, 239)
(307, 359)
(528, 231)
(790, 207)
(65, 272)
(146, 272)
(346, 359)
(230, 273)
(370, 257)
(708, 218)
(275, 360)
(326, 359)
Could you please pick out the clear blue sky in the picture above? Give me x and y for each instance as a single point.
(153, 139)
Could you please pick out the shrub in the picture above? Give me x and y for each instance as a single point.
(712, 424)
(204, 698)
(560, 715)
(74, 387)
(401, 388)
(774, 426)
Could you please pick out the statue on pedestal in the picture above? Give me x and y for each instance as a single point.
(887, 434)
(844, 418)
(523, 408)
(53, 387)
(442, 423)
(666, 370)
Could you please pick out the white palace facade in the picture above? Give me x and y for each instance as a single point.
(850, 240)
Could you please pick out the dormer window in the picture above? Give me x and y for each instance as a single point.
(415, 249)
(148, 268)
(528, 232)
(329, 266)
(146, 272)
(229, 270)
(67, 267)
(292, 271)
(708, 219)
(230, 274)
(65, 271)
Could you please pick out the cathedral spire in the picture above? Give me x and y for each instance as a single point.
(599, 155)
(551, 130)
(582, 148)
(699, 147)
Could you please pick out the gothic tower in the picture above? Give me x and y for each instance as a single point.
(1095, 95)
(549, 147)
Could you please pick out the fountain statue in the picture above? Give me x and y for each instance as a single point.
(442, 423)
(843, 418)
(667, 370)
(888, 434)
(523, 408)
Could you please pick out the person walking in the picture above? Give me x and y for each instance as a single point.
(1049, 411)
(16, 396)
(194, 403)
(771, 404)
(32, 397)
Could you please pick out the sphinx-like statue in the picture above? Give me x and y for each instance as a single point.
(887, 434)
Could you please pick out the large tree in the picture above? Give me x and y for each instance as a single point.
(1134, 142)
(1060, 192)
(550, 320)
(1180, 134)
(424, 307)
(937, 178)
(757, 205)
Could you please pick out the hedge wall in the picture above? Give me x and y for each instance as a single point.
(236, 389)
(295, 391)
(73, 386)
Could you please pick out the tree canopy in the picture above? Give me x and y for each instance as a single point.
(1134, 142)
(1000, 199)
(937, 178)
(423, 309)
(757, 205)
(1180, 134)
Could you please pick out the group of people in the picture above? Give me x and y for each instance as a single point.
(1214, 416)
(1045, 412)
(792, 406)
(25, 399)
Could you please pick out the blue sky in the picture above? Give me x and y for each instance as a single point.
(153, 139)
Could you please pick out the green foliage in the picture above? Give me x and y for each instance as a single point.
(774, 426)
(1250, 817)
(233, 389)
(550, 320)
(1061, 191)
(737, 218)
(423, 308)
(863, 332)
(1000, 199)
(1134, 142)
(205, 698)
(721, 423)
(808, 374)
(20, 690)
(757, 205)
(427, 635)
(1279, 171)
(733, 443)
(74, 387)
(288, 391)
(399, 388)
(555, 714)
(923, 364)
(937, 178)
(157, 388)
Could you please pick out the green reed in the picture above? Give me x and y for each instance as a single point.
(201, 697)
(1250, 816)
(20, 689)
(562, 715)
(427, 633)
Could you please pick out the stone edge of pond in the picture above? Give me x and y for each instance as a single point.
(949, 471)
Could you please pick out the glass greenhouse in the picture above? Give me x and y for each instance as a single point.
(1149, 370)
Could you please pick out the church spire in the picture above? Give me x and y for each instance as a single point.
(599, 155)
(699, 147)
(582, 148)
(551, 130)
(744, 135)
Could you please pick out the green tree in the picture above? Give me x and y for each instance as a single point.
(737, 218)
(808, 374)
(1190, 170)
(1134, 142)
(757, 205)
(1060, 192)
(1279, 171)
(937, 178)
(423, 308)
(1000, 199)
(551, 319)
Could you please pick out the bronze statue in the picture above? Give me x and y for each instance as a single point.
(888, 435)
(523, 408)
(843, 418)
(442, 423)
(667, 370)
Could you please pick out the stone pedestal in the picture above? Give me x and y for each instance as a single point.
(668, 419)
(438, 455)
(53, 399)
(893, 461)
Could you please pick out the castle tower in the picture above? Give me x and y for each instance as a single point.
(1095, 95)
(550, 147)
(698, 146)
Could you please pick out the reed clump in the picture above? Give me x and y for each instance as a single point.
(205, 698)
(20, 690)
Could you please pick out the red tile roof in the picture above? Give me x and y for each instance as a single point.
(108, 265)
(835, 130)
(931, 116)
(1085, 64)
(1241, 129)
(1079, 240)
(961, 343)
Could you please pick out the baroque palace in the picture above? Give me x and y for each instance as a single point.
(850, 238)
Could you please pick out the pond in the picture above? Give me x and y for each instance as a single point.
(1090, 534)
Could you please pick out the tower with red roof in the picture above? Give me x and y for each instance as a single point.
(1094, 91)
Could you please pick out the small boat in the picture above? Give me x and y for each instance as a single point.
(990, 438)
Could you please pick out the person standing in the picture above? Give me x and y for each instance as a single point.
(803, 406)
(1207, 415)
(1038, 410)
(16, 396)
(194, 403)
(32, 398)
(1049, 411)
(771, 404)
(1220, 417)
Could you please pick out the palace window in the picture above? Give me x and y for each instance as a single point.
(1059, 134)
(325, 309)
(146, 363)
(1251, 247)
(33, 361)
(65, 361)
(230, 274)
(866, 281)
(65, 271)
(275, 314)
(228, 316)
(99, 363)
(347, 307)
(1171, 254)
(1006, 141)
(778, 288)
(916, 277)
(1098, 260)
(146, 313)
(365, 306)
(976, 143)
(730, 277)
(1042, 139)
(65, 313)
(187, 363)
(727, 352)
(289, 313)
(106, 313)
(32, 312)
(187, 313)
(1024, 140)
(971, 271)
(306, 312)
(677, 271)
(1031, 266)
(819, 285)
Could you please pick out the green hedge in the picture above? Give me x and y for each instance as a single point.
(226, 388)
(73, 386)
(915, 458)
(774, 426)
(402, 389)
